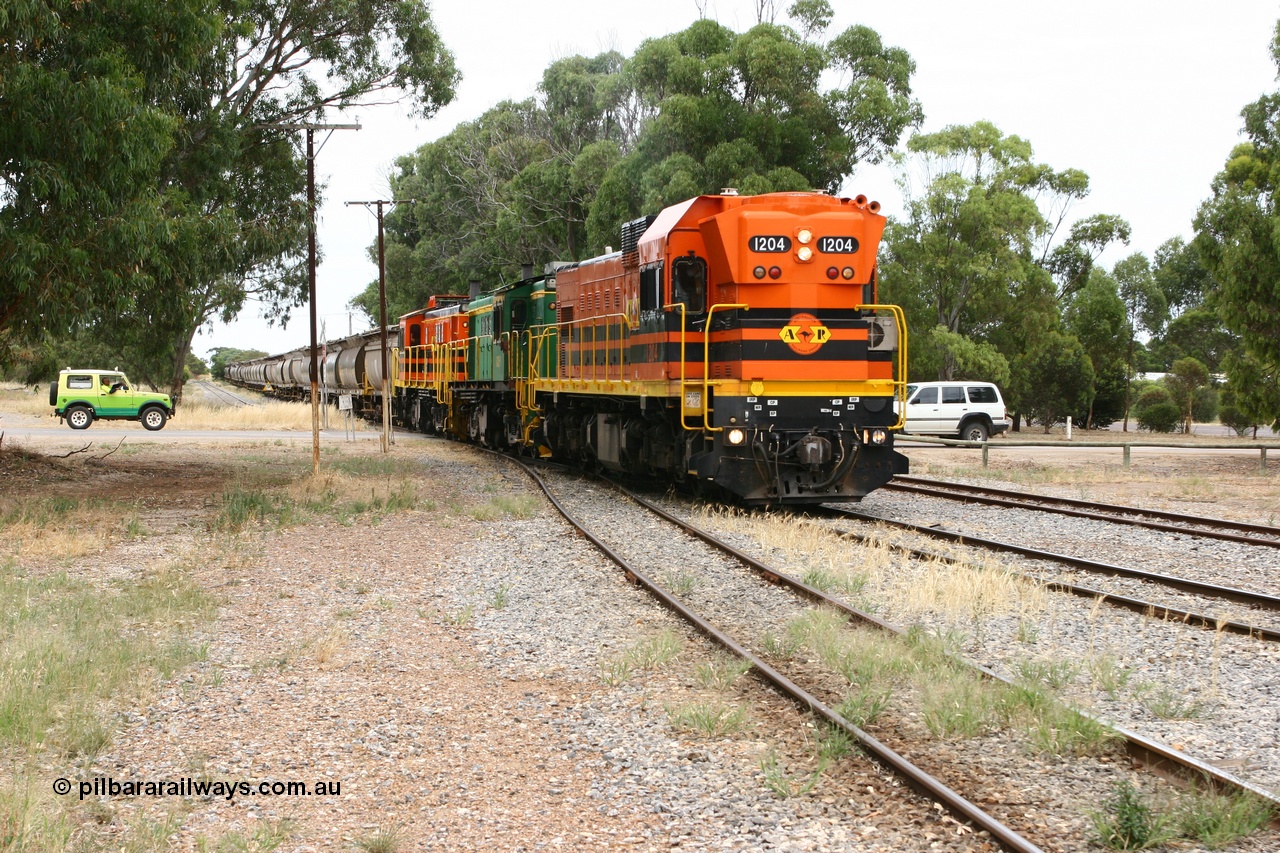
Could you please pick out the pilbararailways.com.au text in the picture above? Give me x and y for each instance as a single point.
(105, 786)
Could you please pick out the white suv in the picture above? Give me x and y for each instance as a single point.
(971, 410)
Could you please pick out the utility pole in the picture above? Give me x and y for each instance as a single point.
(382, 313)
(311, 274)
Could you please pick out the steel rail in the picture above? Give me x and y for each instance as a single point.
(1152, 754)
(1226, 593)
(222, 392)
(1137, 605)
(1212, 528)
(919, 780)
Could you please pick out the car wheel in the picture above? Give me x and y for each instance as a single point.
(975, 431)
(154, 418)
(79, 417)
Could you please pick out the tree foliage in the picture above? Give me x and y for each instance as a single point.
(609, 138)
(1186, 378)
(1144, 305)
(86, 128)
(1053, 379)
(214, 170)
(220, 357)
(1095, 315)
(981, 251)
(1238, 238)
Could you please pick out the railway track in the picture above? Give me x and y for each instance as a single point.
(1168, 522)
(222, 395)
(1248, 598)
(1150, 752)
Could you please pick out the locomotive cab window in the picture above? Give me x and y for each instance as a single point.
(689, 283)
(519, 314)
(651, 289)
(415, 335)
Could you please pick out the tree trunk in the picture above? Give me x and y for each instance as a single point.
(180, 364)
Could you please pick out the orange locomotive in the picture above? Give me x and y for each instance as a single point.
(735, 342)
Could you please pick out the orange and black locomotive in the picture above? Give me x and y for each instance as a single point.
(735, 344)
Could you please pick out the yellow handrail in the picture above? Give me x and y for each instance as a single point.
(706, 362)
(899, 384)
(682, 308)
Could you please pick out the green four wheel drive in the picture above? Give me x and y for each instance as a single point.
(83, 396)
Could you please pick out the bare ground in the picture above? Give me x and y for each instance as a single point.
(328, 661)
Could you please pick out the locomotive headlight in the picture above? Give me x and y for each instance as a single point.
(804, 235)
(875, 436)
(804, 253)
(735, 437)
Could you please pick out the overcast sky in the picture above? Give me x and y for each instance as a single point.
(1145, 97)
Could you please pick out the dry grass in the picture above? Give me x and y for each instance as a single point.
(961, 593)
(60, 528)
(198, 411)
(270, 416)
(23, 402)
(1226, 484)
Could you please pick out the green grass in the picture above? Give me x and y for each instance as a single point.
(72, 653)
(40, 512)
(1053, 674)
(1218, 820)
(960, 708)
(1168, 703)
(244, 506)
(787, 785)
(1130, 822)
(720, 674)
(713, 719)
(681, 583)
(1059, 730)
(656, 651)
(865, 705)
(69, 647)
(505, 506)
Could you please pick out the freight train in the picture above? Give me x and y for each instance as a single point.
(734, 344)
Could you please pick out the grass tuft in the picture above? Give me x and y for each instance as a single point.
(720, 674)
(712, 719)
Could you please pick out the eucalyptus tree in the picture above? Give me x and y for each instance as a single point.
(226, 189)
(609, 138)
(1053, 378)
(86, 129)
(1145, 311)
(1238, 238)
(1095, 314)
(981, 251)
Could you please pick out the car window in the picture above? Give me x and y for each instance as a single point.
(982, 394)
(927, 396)
(952, 394)
(79, 383)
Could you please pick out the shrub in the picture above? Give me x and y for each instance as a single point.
(1156, 411)
(1161, 417)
